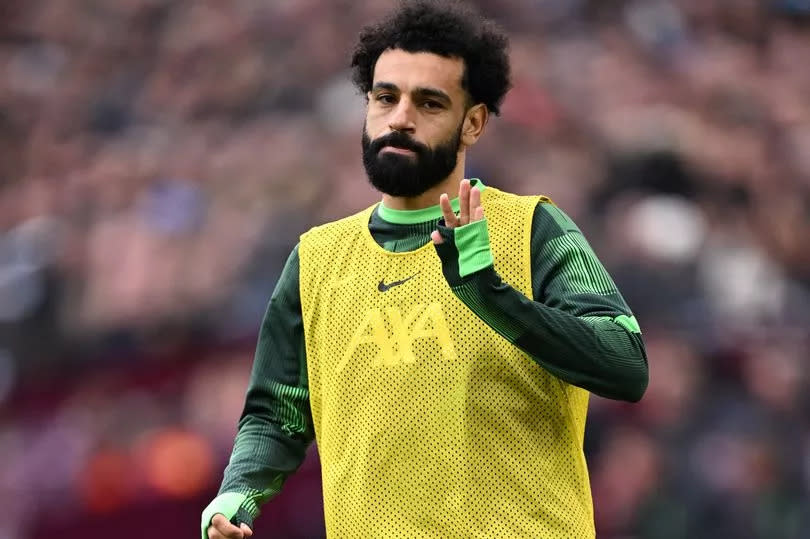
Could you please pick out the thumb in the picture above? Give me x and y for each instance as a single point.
(436, 237)
(246, 530)
(223, 526)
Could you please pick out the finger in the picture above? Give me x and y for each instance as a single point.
(246, 530)
(436, 237)
(450, 219)
(464, 202)
(213, 533)
(476, 210)
(225, 528)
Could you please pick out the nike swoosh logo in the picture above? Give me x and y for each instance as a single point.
(382, 287)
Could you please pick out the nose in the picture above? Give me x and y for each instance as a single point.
(402, 117)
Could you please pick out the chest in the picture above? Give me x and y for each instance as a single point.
(386, 310)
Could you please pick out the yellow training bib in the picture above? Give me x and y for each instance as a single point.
(428, 423)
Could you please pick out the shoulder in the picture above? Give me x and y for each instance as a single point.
(550, 221)
(334, 229)
(493, 197)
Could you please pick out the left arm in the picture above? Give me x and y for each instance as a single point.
(577, 326)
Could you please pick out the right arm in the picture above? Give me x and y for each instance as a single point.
(275, 428)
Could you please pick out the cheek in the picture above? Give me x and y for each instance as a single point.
(443, 133)
(375, 124)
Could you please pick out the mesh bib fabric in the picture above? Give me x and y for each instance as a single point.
(428, 423)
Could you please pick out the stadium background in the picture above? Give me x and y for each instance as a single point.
(158, 159)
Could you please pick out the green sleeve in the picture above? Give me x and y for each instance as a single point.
(275, 428)
(577, 326)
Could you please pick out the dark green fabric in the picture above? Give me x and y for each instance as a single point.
(598, 355)
(448, 253)
(568, 328)
(275, 428)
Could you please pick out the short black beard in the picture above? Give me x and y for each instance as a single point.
(407, 176)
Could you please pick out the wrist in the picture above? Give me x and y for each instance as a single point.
(229, 504)
(464, 251)
(472, 242)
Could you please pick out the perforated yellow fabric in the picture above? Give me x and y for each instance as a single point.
(428, 423)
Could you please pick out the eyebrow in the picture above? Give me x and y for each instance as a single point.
(421, 91)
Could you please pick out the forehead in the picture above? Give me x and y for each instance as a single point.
(409, 70)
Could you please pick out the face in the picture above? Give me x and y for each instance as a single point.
(413, 131)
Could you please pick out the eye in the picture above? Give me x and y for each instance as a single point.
(386, 99)
(432, 105)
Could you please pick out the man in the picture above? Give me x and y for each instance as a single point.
(440, 351)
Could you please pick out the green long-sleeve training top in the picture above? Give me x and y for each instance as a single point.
(577, 326)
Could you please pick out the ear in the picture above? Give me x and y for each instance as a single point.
(474, 122)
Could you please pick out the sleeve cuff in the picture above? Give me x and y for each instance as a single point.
(230, 505)
(472, 242)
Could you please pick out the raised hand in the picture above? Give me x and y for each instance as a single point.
(470, 209)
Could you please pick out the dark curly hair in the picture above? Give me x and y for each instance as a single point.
(447, 29)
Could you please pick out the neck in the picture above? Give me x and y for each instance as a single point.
(430, 197)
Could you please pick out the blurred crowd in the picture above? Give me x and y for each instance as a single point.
(159, 158)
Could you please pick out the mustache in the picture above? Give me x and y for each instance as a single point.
(397, 139)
